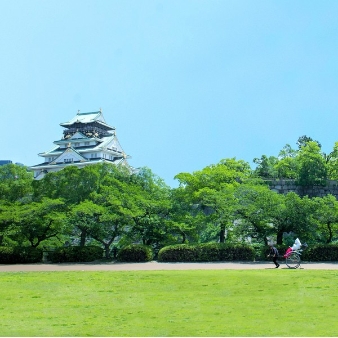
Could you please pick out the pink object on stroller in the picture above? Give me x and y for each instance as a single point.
(288, 252)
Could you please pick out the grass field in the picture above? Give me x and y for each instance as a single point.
(170, 303)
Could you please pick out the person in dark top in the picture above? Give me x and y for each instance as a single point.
(274, 254)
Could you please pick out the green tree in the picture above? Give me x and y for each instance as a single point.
(256, 211)
(6, 221)
(287, 164)
(96, 222)
(266, 166)
(15, 182)
(72, 184)
(312, 166)
(108, 207)
(153, 201)
(210, 193)
(332, 163)
(36, 222)
(220, 207)
(185, 225)
(82, 218)
(303, 140)
(325, 216)
(291, 213)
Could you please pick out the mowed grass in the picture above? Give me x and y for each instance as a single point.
(267, 302)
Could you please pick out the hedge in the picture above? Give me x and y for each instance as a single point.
(75, 254)
(321, 252)
(20, 255)
(209, 252)
(135, 253)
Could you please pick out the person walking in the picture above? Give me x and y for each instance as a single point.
(274, 254)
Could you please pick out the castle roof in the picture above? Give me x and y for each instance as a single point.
(87, 118)
(109, 143)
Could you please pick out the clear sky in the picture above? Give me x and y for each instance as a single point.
(185, 83)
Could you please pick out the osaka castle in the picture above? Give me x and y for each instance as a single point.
(87, 139)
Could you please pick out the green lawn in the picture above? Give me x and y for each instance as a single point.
(269, 302)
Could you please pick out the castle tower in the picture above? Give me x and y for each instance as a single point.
(87, 139)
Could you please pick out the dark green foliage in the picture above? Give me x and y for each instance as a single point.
(312, 166)
(15, 182)
(224, 203)
(16, 255)
(321, 253)
(8, 255)
(239, 252)
(303, 140)
(209, 252)
(266, 166)
(30, 254)
(135, 253)
(261, 251)
(75, 254)
(178, 253)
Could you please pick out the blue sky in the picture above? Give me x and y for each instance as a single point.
(185, 83)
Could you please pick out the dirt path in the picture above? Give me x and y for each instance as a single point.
(113, 266)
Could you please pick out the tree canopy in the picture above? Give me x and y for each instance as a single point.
(110, 206)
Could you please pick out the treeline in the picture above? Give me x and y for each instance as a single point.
(106, 206)
(307, 164)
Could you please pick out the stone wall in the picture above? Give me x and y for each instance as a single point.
(283, 186)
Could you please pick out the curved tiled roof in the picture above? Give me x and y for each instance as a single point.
(87, 118)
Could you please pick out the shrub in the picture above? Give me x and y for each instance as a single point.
(8, 255)
(75, 254)
(321, 252)
(135, 253)
(260, 250)
(30, 255)
(209, 252)
(178, 253)
(237, 252)
(15, 255)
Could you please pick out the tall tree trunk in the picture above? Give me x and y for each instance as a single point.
(83, 238)
(106, 250)
(329, 240)
(265, 241)
(280, 237)
(222, 234)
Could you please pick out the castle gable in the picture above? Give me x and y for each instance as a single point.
(68, 156)
(78, 135)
